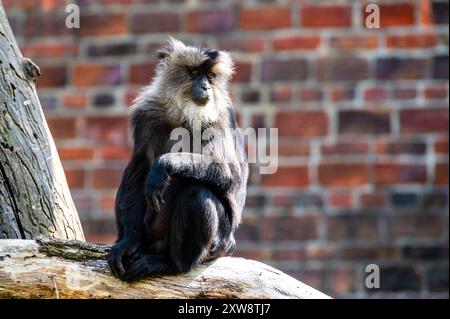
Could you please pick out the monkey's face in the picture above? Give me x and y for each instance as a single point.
(193, 81)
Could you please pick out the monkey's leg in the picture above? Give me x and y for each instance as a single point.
(130, 209)
(181, 234)
(194, 226)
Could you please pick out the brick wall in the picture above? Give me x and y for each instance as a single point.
(362, 115)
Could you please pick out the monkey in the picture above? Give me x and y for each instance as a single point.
(175, 210)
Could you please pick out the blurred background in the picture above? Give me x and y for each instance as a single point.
(362, 115)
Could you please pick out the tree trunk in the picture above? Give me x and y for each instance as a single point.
(34, 196)
(49, 268)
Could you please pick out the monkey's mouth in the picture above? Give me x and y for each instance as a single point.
(201, 101)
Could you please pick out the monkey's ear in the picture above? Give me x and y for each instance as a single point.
(163, 53)
(212, 54)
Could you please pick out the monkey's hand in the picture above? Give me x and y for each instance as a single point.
(121, 254)
(154, 187)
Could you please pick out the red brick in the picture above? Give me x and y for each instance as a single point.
(412, 41)
(352, 226)
(320, 251)
(107, 129)
(374, 200)
(396, 14)
(130, 96)
(441, 174)
(116, 49)
(210, 21)
(106, 178)
(243, 72)
(352, 42)
(342, 281)
(93, 74)
(83, 202)
(111, 152)
(416, 225)
(289, 227)
(62, 127)
(401, 68)
(76, 153)
(311, 277)
(310, 95)
(101, 238)
(283, 200)
(340, 200)
(265, 18)
(301, 123)
(364, 122)
(400, 147)
(141, 73)
(154, 22)
(107, 203)
(376, 94)
(404, 93)
(346, 68)
(441, 147)
(343, 175)
(286, 176)
(103, 24)
(52, 76)
(296, 43)
(256, 253)
(38, 24)
(245, 45)
(370, 253)
(281, 93)
(424, 120)
(436, 92)
(340, 94)
(49, 50)
(288, 254)
(74, 100)
(326, 16)
(275, 69)
(345, 148)
(297, 149)
(75, 177)
(394, 173)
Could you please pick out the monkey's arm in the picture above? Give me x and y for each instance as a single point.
(130, 210)
(198, 167)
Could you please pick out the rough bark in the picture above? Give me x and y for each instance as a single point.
(49, 268)
(34, 196)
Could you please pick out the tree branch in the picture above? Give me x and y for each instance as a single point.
(53, 268)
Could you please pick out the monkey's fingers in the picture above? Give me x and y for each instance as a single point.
(116, 264)
(155, 201)
(137, 270)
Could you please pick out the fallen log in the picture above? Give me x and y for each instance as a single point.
(54, 268)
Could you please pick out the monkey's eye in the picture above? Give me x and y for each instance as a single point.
(211, 75)
(193, 72)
